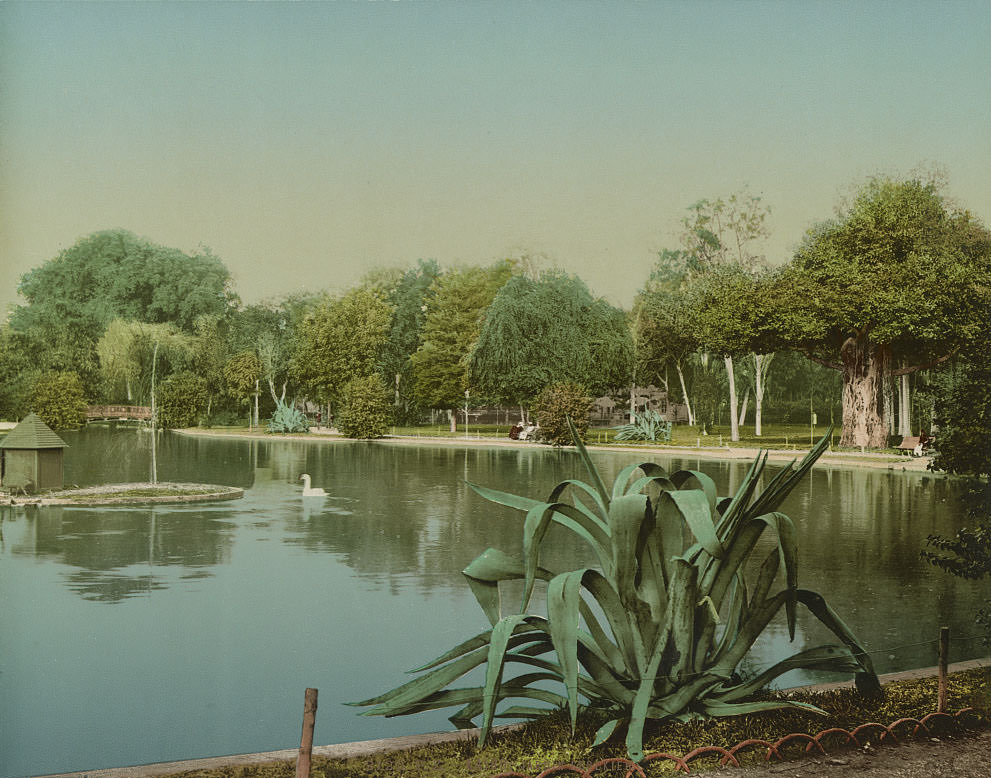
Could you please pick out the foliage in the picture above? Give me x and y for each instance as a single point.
(649, 425)
(558, 403)
(365, 410)
(963, 444)
(551, 329)
(181, 400)
(288, 418)
(458, 300)
(58, 398)
(126, 351)
(410, 297)
(340, 340)
(18, 371)
(659, 655)
(968, 553)
(241, 373)
(891, 284)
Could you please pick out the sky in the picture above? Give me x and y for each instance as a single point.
(308, 143)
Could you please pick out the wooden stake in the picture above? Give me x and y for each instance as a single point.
(944, 652)
(306, 742)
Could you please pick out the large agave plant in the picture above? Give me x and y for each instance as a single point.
(658, 628)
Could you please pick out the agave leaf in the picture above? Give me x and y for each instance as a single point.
(563, 596)
(866, 680)
(474, 643)
(738, 504)
(772, 497)
(631, 649)
(622, 479)
(487, 570)
(605, 732)
(693, 509)
(830, 658)
(597, 482)
(516, 501)
(501, 633)
(712, 708)
(558, 491)
(626, 514)
(737, 613)
(524, 711)
(424, 686)
(662, 482)
(768, 571)
(695, 479)
(538, 518)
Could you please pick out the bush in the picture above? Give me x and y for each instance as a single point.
(366, 411)
(57, 397)
(288, 418)
(181, 400)
(555, 405)
(649, 425)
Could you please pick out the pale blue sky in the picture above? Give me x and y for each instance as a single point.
(306, 143)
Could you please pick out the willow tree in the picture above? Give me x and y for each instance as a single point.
(889, 287)
(547, 330)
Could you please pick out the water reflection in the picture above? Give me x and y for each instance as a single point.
(246, 603)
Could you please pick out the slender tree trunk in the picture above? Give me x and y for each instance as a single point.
(762, 363)
(452, 417)
(865, 367)
(889, 405)
(734, 422)
(904, 405)
(257, 392)
(127, 383)
(743, 406)
(684, 393)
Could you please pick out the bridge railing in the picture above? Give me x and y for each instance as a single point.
(138, 412)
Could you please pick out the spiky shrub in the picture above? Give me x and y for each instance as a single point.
(649, 425)
(679, 616)
(288, 418)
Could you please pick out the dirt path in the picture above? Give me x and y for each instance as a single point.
(967, 756)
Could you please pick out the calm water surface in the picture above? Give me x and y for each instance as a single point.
(136, 635)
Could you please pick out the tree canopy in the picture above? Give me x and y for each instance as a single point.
(892, 285)
(538, 332)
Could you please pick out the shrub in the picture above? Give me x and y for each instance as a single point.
(366, 410)
(288, 418)
(57, 397)
(555, 405)
(649, 425)
(678, 617)
(181, 400)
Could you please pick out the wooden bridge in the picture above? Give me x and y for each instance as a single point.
(118, 413)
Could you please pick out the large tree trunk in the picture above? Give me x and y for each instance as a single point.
(684, 393)
(734, 422)
(865, 366)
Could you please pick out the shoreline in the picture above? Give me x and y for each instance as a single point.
(846, 459)
(406, 742)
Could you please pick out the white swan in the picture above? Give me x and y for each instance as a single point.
(309, 491)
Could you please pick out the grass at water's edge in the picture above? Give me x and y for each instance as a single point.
(548, 742)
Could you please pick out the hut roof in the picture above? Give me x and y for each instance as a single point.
(32, 433)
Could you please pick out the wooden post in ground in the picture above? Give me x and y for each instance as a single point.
(306, 741)
(944, 652)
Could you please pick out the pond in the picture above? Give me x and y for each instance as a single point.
(140, 634)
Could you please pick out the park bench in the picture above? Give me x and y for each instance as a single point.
(909, 444)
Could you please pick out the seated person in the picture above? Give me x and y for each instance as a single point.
(514, 433)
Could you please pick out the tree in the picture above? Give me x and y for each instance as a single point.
(557, 403)
(58, 398)
(181, 399)
(72, 298)
(537, 332)
(456, 303)
(365, 408)
(242, 373)
(887, 288)
(19, 370)
(125, 352)
(724, 236)
(340, 340)
(663, 330)
(410, 296)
